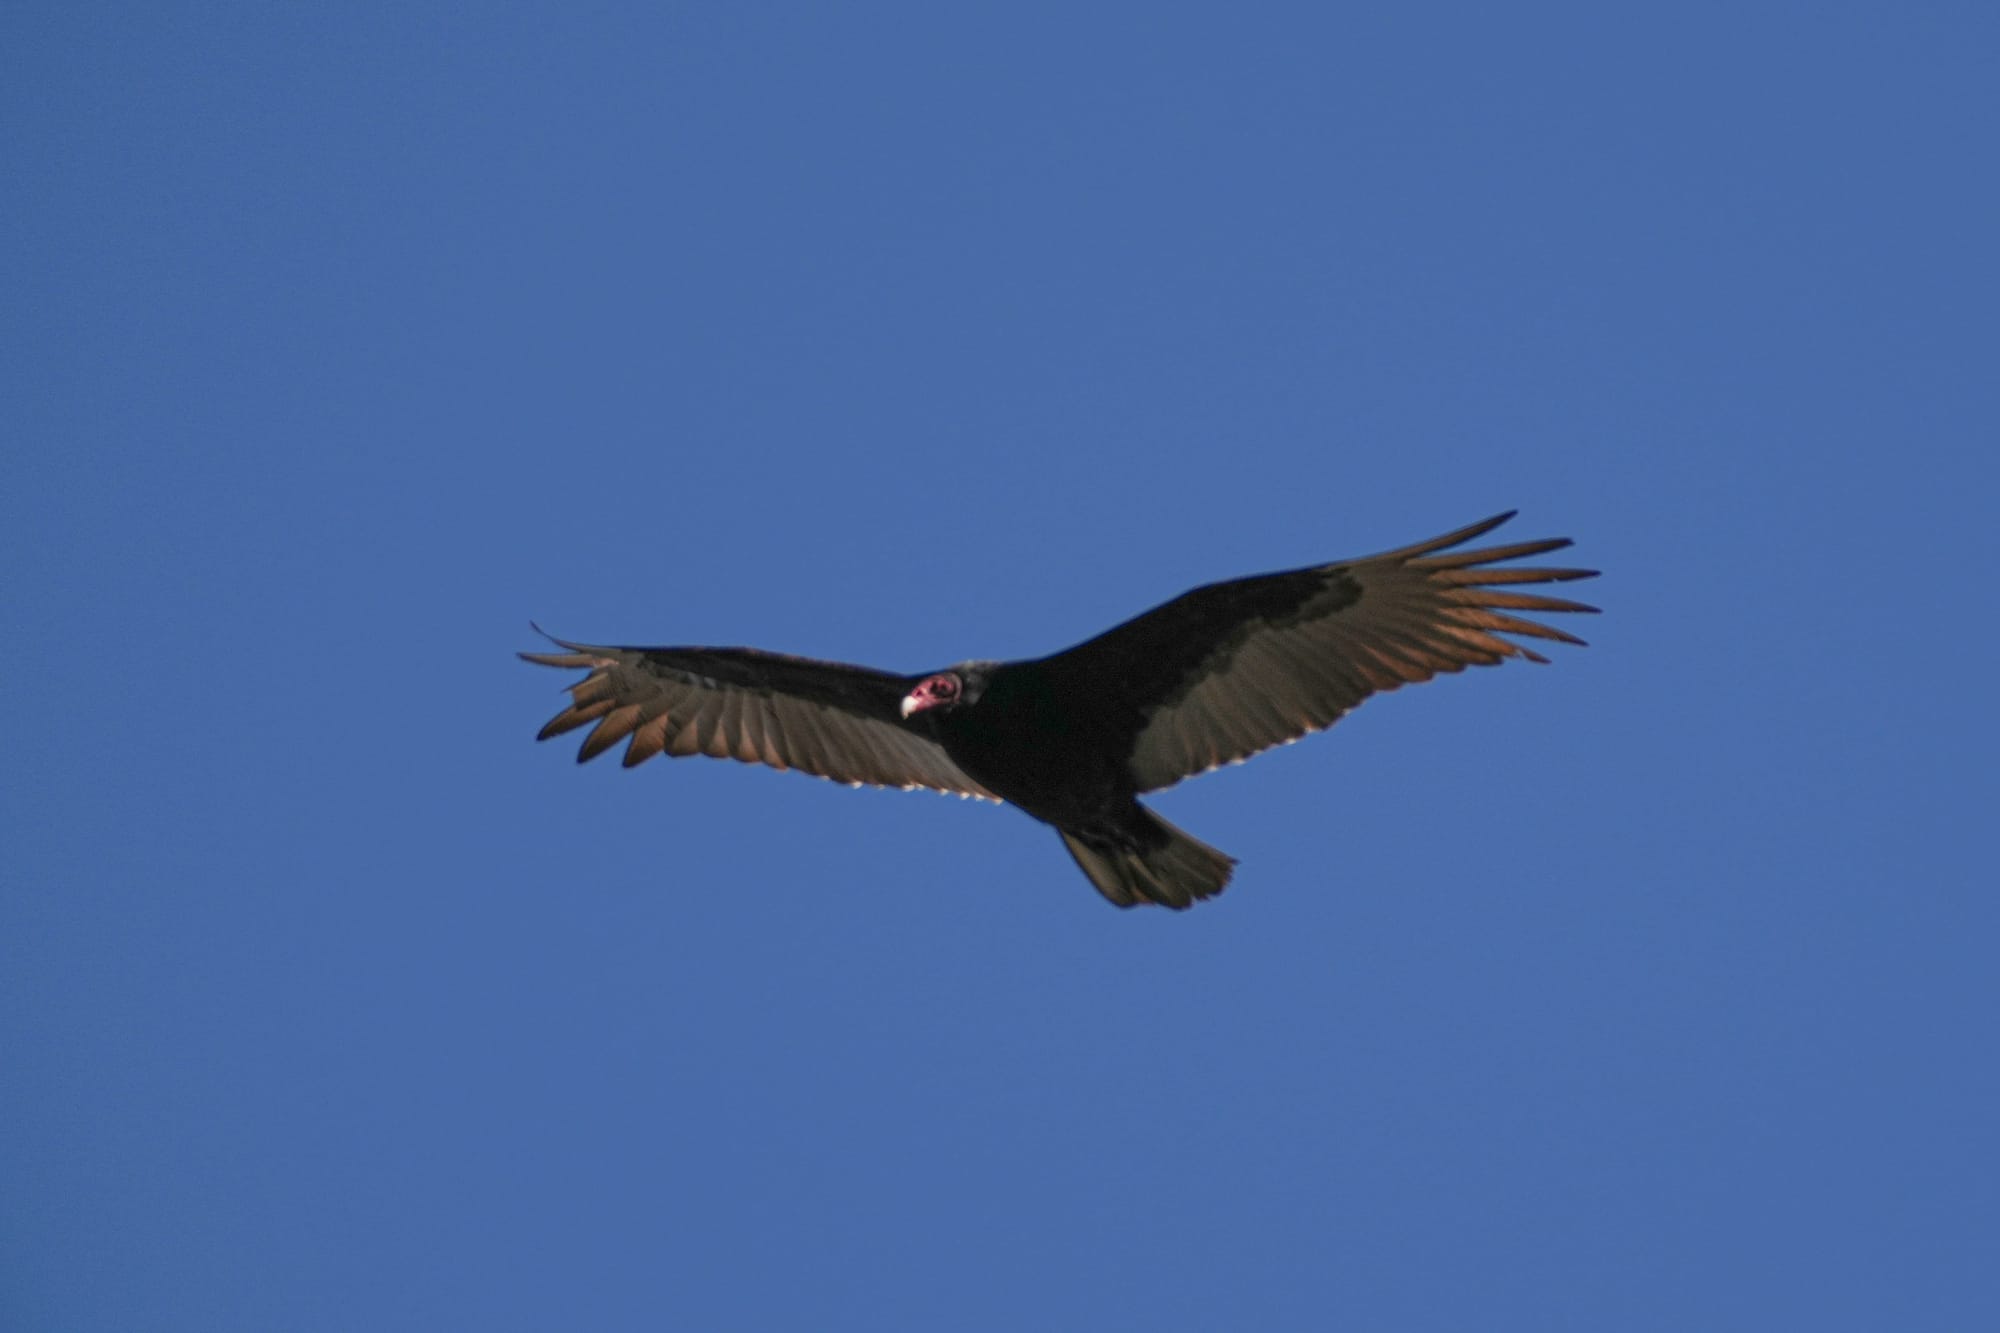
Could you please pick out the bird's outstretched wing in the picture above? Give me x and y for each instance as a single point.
(825, 718)
(1230, 669)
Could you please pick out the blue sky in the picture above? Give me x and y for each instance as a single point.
(1649, 990)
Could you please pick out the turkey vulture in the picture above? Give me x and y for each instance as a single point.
(1209, 678)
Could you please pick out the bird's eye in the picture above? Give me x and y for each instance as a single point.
(947, 686)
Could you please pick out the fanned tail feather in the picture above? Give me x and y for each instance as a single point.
(1174, 869)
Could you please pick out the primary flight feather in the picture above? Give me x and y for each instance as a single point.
(1209, 678)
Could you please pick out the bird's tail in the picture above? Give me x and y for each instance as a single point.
(1149, 861)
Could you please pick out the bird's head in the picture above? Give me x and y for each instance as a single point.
(945, 690)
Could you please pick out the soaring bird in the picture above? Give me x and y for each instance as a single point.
(1209, 678)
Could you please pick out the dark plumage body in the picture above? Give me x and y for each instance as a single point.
(1074, 738)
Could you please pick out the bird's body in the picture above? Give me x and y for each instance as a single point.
(1074, 738)
(1027, 744)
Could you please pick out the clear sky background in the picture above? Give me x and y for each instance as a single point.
(1653, 989)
